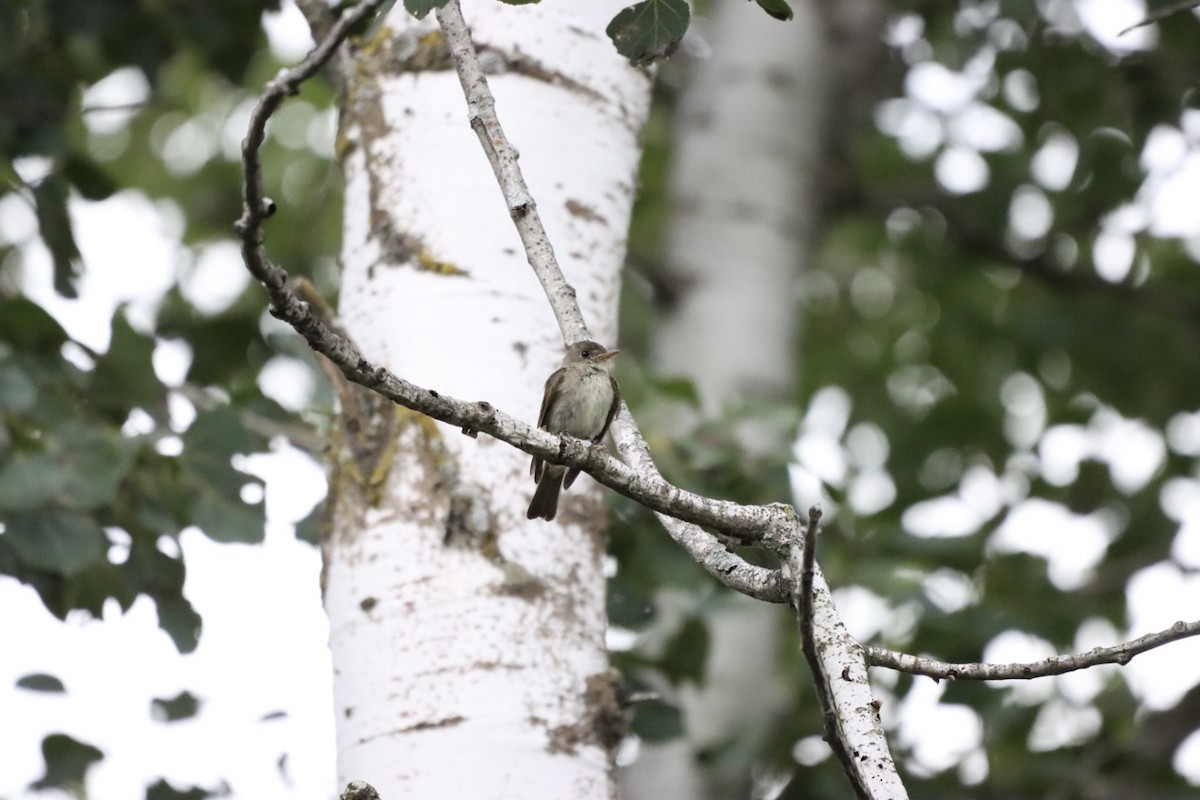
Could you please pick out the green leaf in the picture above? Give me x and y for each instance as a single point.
(87, 176)
(1107, 168)
(212, 440)
(779, 9)
(209, 445)
(230, 521)
(181, 706)
(26, 325)
(82, 467)
(124, 377)
(161, 577)
(50, 197)
(677, 388)
(93, 587)
(656, 721)
(687, 652)
(630, 602)
(224, 347)
(181, 622)
(41, 682)
(67, 762)
(98, 460)
(56, 540)
(309, 529)
(650, 30)
(28, 482)
(419, 8)
(18, 392)
(165, 791)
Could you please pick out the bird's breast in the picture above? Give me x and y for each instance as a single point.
(582, 410)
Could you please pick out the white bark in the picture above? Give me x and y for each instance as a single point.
(468, 642)
(837, 660)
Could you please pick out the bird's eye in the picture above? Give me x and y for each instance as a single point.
(586, 353)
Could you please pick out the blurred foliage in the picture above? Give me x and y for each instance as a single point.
(172, 709)
(161, 790)
(41, 682)
(102, 465)
(67, 762)
(919, 304)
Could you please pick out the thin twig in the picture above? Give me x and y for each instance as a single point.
(256, 207)
(1055, 665)
(1162, 13)
(808, 548)
(481, 113)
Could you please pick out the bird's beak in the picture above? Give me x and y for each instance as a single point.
(606, 355)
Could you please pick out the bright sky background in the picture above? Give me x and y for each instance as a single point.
(264, 644)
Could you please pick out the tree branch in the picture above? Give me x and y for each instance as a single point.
(1162, 13)
(839, 668)
(256, 206)
(857, 737)
(481, 113)
(751, 523)
(704, 548)
(839, 661)
(728, 568)
(808, 562)
(1055, 665)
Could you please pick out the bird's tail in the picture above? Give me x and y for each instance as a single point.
(545, 500)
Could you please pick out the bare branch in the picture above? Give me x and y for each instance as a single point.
(481, 113)
(731, 570)
(839, 668)
(745, 522)
(1055, 665)
(256, 206)
(807, 563)
(750, 523)
(704, 548)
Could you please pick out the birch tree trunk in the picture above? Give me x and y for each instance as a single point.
(468, 643)
(744, 199)
(744, 202)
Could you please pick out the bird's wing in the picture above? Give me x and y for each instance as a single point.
(537, 465)
(612, 410)
(551, 390)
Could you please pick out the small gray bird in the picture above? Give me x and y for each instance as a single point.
(581, 400)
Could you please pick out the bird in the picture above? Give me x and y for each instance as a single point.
(581, 399)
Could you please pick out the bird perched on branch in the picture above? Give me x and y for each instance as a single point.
(581, 399)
